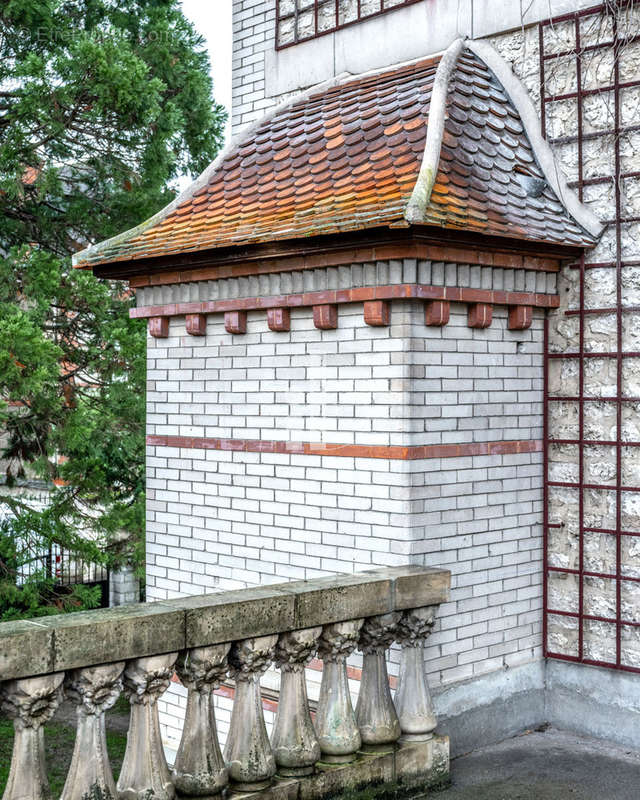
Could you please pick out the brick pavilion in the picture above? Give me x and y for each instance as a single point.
(346, 317)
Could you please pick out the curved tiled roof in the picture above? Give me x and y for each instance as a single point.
(348, 156)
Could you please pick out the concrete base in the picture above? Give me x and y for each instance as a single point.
(590, 701)
(492, 707)
(410, 768)
(593, 701)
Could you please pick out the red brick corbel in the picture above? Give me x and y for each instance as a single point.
(279, 319)
(235, 321)
(436, 313)
(480, 315)
(377, 313)
(196, 324)
(325, 317)
(520, 318)
(159, 327)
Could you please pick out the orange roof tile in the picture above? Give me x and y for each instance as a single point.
(348, 157)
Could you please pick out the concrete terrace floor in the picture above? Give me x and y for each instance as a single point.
(545, 765)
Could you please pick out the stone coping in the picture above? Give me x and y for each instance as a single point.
(69, 641)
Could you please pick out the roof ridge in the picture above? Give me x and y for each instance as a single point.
(515, 91)
(421, 194)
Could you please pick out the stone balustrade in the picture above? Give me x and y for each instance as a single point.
(94, 656)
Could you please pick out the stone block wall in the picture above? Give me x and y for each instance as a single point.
(578, 518)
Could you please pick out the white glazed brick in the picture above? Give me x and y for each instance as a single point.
(253, 35)
(228, 519)
(261, 396)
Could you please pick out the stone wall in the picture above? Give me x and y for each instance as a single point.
(595, 464)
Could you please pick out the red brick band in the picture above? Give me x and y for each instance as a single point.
(396, 452)
(400, 291)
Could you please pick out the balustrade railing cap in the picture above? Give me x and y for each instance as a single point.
(411, 590)
(87, 638)
(69, 641)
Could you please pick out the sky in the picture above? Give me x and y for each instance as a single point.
(212, 19)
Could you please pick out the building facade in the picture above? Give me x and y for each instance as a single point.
(462, 394)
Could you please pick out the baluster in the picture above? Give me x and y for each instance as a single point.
(413, 699)
(375, 712)
(145, 773)
(293, 741)
(200, 769)
(94, 690)
(247, 752)
(30, 702)
(336, 726)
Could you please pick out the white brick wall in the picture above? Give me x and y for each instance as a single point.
(224, 519)
(266, 385)
(253, 34)
(218, 519)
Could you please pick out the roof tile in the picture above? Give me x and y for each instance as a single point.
(348, 159)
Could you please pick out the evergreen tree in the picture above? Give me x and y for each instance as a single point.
(102, 105)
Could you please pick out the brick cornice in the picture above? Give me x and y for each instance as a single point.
(390, 452)
(461, 255)
(401, 291)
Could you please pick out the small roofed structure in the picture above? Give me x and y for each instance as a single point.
(346, 317)
(449, 143)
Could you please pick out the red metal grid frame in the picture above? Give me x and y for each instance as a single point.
(619, 399)
(338, 25)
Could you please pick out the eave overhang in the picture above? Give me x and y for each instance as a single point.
(383, 243)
